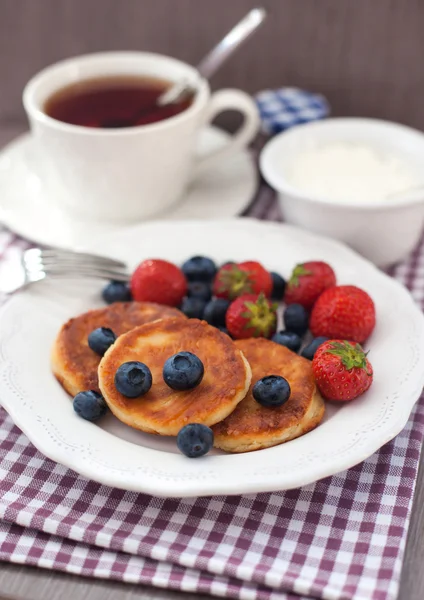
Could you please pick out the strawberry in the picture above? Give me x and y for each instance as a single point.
(342, 370)
(158, 281)
(251, 316)
(343, 312)
(234, 280)
(308, 280)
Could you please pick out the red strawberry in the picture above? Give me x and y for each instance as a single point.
(343, 312)
(158, 281)
(251, 316)
(307, 282)
(234, 280)
(341, 370)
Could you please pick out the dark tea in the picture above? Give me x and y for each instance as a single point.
(110, 102)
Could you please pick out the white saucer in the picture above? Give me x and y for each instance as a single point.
(27, 209)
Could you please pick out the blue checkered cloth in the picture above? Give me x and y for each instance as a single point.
(285, 107)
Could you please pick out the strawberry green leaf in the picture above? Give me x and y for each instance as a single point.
(352, 357)
(298, 271)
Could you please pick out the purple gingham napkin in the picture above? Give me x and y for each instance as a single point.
(339, 539)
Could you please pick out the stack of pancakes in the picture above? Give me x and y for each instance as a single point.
(151, 333)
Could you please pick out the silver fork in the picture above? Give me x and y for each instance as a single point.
(37, 264)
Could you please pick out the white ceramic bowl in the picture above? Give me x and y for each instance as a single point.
(384, 233)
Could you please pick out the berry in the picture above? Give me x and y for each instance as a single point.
(251, 316)
(199, 289)
(309, 350)
(133, 379)
(116, 291)
(158, 281)
(195, 440)
(278, 286)
(289, 339)
(234, 280)
(193, 308)
(183, 371)
(199, 268)
(342, 370)
(343, 312)
(296, 319)
(307, 283)
(215, 311)
(272, 390)
(90, 405)
(101, 339)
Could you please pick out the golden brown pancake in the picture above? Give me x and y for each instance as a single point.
(163, 410)
(252, 426)
(74, 363)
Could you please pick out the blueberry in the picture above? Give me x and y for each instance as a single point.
(193, 308)
(309, 351)
(278, 286)
(296, 319)
(289, 339)
(271, 391)
(183, 371)
(90, 405)
(199, 268)
(116, 291)
(133, 379)
(101, 339)
(215, 312)
(199, 289)
(195, 440)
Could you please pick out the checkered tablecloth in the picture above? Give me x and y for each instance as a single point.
(342, 538)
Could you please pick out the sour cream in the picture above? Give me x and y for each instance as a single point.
(346, 172)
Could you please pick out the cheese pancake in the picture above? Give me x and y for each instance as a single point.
(252, 426)
(74, 364)
(163, 410)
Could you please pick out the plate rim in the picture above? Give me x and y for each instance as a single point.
(213, 488)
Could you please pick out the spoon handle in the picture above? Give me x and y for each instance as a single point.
(238, 34)
(218, 55)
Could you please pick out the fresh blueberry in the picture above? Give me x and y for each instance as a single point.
(101, 339)
(199, 289)
(183, 371)
(278, 286)
(116, 291)
(271, 391)
(309, 351)
(193, 308)
(289, 339)
(195, 440)
(215, 312)
(199, 268)
(296, 319)
(133, 379)
(90, 405)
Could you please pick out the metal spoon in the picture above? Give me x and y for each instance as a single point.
(217, 56)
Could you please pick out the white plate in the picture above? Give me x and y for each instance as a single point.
(119, 456)
(27, 208)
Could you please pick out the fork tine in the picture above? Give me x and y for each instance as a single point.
(37, 254)
(59, 272)
(109, 272)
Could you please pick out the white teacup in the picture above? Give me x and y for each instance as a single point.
(135, 172)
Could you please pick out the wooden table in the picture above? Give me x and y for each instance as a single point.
(27, 583)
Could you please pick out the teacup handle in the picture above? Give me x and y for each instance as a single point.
(231, 100)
